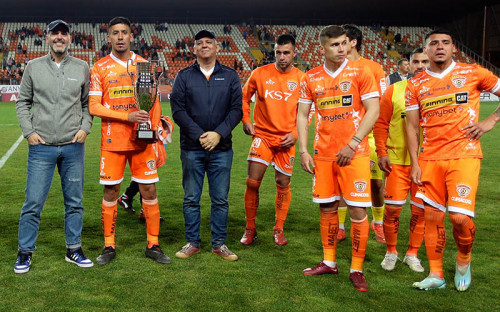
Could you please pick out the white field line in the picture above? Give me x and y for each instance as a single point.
(10, 151)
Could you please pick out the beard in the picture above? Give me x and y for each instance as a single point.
(59, 51)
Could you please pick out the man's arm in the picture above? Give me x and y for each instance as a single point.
(248, 92)
(345, 155)
(413, 139)
(306, 161)
(179, 113)
(86, 123)
(477, 129)
(235, 113)
(24, 103)
(381, 130)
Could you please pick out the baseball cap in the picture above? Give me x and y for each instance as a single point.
(56, 23)
(204, 33)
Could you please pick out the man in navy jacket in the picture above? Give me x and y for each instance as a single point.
(206, 104)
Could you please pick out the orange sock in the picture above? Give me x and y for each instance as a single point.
(108, 220)
(464, 232)
(251, 202)
(283, 199)
(435, 239)
(359, 238)
(417, 225)
(151, 211)
(391, 227)
(329, 226)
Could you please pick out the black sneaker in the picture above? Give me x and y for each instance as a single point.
(157, 254)
(126, 203)
(23, 262)
(78, 257)
(106, 256)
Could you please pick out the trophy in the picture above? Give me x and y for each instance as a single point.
(145, 82)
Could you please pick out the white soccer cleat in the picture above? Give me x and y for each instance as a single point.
(389, 262)
(414, 263)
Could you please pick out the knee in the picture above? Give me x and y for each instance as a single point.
(283, 182)
(458, 219)
(253, 184)
(392, 211)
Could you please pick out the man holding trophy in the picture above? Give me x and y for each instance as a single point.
(123, 92)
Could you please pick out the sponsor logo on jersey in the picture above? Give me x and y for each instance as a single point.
(292, 85)
(124, 107)
(319, 88)
(151, 164)
(360, 186)
(345, 85)
(461, 200)
(459, 81)
(423, 90)
(121, 92)
(113, 81)
(270, 82)
(277, 95)
(335, 101)
(332, 118)
(318, 78)
(444, 100)
(441, 112)
(463, 190)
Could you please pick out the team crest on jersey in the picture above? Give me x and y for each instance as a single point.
(151, 164)
(459, 81)
(345, 85)
(292, 85)
(360, 186)
(463, 190)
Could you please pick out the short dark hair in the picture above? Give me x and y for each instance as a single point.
(440, 31)
(401, 61)
(417, 50)
(285, 39)
(331, 31)
(119, 20)
(352, 32)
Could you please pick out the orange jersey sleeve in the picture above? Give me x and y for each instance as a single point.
(381, 128)
(249, 90)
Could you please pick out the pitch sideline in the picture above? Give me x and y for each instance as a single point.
(10, 151)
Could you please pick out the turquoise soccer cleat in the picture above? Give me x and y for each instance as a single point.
(462, 281)
(430, 282)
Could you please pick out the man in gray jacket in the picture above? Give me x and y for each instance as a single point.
(52, 109)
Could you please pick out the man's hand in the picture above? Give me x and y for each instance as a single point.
(288, 140)
(477, 129)
(306, 161)
(138, 116)
(385, 164)
(209, 140)
(248, 128)
(35, 139)
(416, 174)
(344, 156)
(80, 137)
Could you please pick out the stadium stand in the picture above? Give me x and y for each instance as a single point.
(247, 45)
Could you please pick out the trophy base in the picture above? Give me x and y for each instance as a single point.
(146, 135)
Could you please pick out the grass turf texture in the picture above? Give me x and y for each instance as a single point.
(266, 278)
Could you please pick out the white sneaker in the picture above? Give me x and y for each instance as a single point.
(389, 262)
(414, 263)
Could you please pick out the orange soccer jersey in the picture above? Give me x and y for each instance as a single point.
(377, 71)
(338, 97)
(448, 102)
(276, 98)
(111, 97)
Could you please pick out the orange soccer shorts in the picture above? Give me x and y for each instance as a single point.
(268, 151)
(397, 186)
(352, 181)
(142, 166)
(454, 181)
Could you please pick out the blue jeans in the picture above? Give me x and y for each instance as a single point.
(217, 165)
(42, 160)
